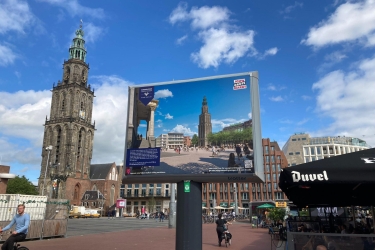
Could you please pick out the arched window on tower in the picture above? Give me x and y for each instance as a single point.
(76, 191)
(79, 149)
(58, 145)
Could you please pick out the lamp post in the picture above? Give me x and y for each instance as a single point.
(59, 177)
(49, 149)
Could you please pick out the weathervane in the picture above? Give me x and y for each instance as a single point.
(81, 24)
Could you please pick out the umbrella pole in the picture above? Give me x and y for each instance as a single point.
(373, 221)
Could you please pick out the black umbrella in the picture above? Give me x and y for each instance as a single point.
(342, 180)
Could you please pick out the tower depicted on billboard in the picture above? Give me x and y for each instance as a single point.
(205, 126)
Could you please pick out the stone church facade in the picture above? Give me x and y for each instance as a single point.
(205, 125)
(69, 129)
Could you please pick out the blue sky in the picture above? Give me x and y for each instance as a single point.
(315, 62)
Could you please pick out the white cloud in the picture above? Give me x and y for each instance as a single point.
(222, 42)
(276, 99)
(168, 116)
(163, 93)
(290, 8)
(348, 99)
(74, 8)
(183, 129)
(332, 59)
(303, 121)
(221, 45)
(351, 21)
(273, 87)
(180, 40)
(92, 32)
(250, 115)
(7, 56)
(270, 52)
(286, 121)
(222, 123)
(201, 18)
(109, 112)
(11, 12)
(306, 97)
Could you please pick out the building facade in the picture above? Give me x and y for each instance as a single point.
(250, 195)
(171, 140)
(4, 177)
(205, 125)
(239, 126)
(152, 196)
(301, 148)
(69, 131)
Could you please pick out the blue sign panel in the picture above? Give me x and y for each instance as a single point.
(139, 157)
(146, 94)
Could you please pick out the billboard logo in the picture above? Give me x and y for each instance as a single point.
(368, 160)
(239, 84)
(146, 94)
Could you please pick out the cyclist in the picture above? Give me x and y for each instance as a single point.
(22, 221)
(220, 224)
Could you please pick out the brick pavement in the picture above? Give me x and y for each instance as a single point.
(162, 238)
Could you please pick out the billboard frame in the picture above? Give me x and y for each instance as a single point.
(256, 177)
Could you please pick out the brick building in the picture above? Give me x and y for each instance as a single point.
(4, 177)
(250, 195)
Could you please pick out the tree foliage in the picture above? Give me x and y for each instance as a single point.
(277, 214)
(194, 140)
(21, 185)
(230, 137)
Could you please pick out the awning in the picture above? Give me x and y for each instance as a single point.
(338, 181)
(223, 204)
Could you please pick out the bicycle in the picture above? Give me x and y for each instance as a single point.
(278, 237)
(16, 246)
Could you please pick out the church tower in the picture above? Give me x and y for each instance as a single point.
(69, 132)
(205, 126)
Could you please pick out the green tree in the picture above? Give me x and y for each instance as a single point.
(21, 185)
(194, 140)
(277, 214)
(151, 205)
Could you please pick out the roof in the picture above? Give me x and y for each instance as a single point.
(100, 171)
(93, 195)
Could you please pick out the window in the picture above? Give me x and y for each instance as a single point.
(297, 153)
(306, 151)
(245, 196)
(293, 164)
(290, 153)
(266, 149)
(312, 151)
(129, 185)
(272, 148)
(272, 158)
(128, 192)
(268, 177)
(307, 159)
(273, 168)
(267, 168)
(274, 177)
(166, 185)
(279, 157)
(279, 167)
(267, 159)
(294, 140)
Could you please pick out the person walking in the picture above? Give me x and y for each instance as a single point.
(161, 216)
(113, 214)
(22, 221)
(220, 223)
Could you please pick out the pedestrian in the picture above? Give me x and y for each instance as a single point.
(161, 216)
(113, 214)
(238, 151)
(234, 215)
(156, 215)
(213, 150)
(109, 213)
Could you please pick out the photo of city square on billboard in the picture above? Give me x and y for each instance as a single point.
(204, 129)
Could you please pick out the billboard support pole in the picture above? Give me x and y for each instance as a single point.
(189, 217)
(172, 207)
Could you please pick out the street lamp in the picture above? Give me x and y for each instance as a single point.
(49, 149)
(57, 176)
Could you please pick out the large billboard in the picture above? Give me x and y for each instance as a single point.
(204, 130)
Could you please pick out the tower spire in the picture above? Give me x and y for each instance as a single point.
(77, 50)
